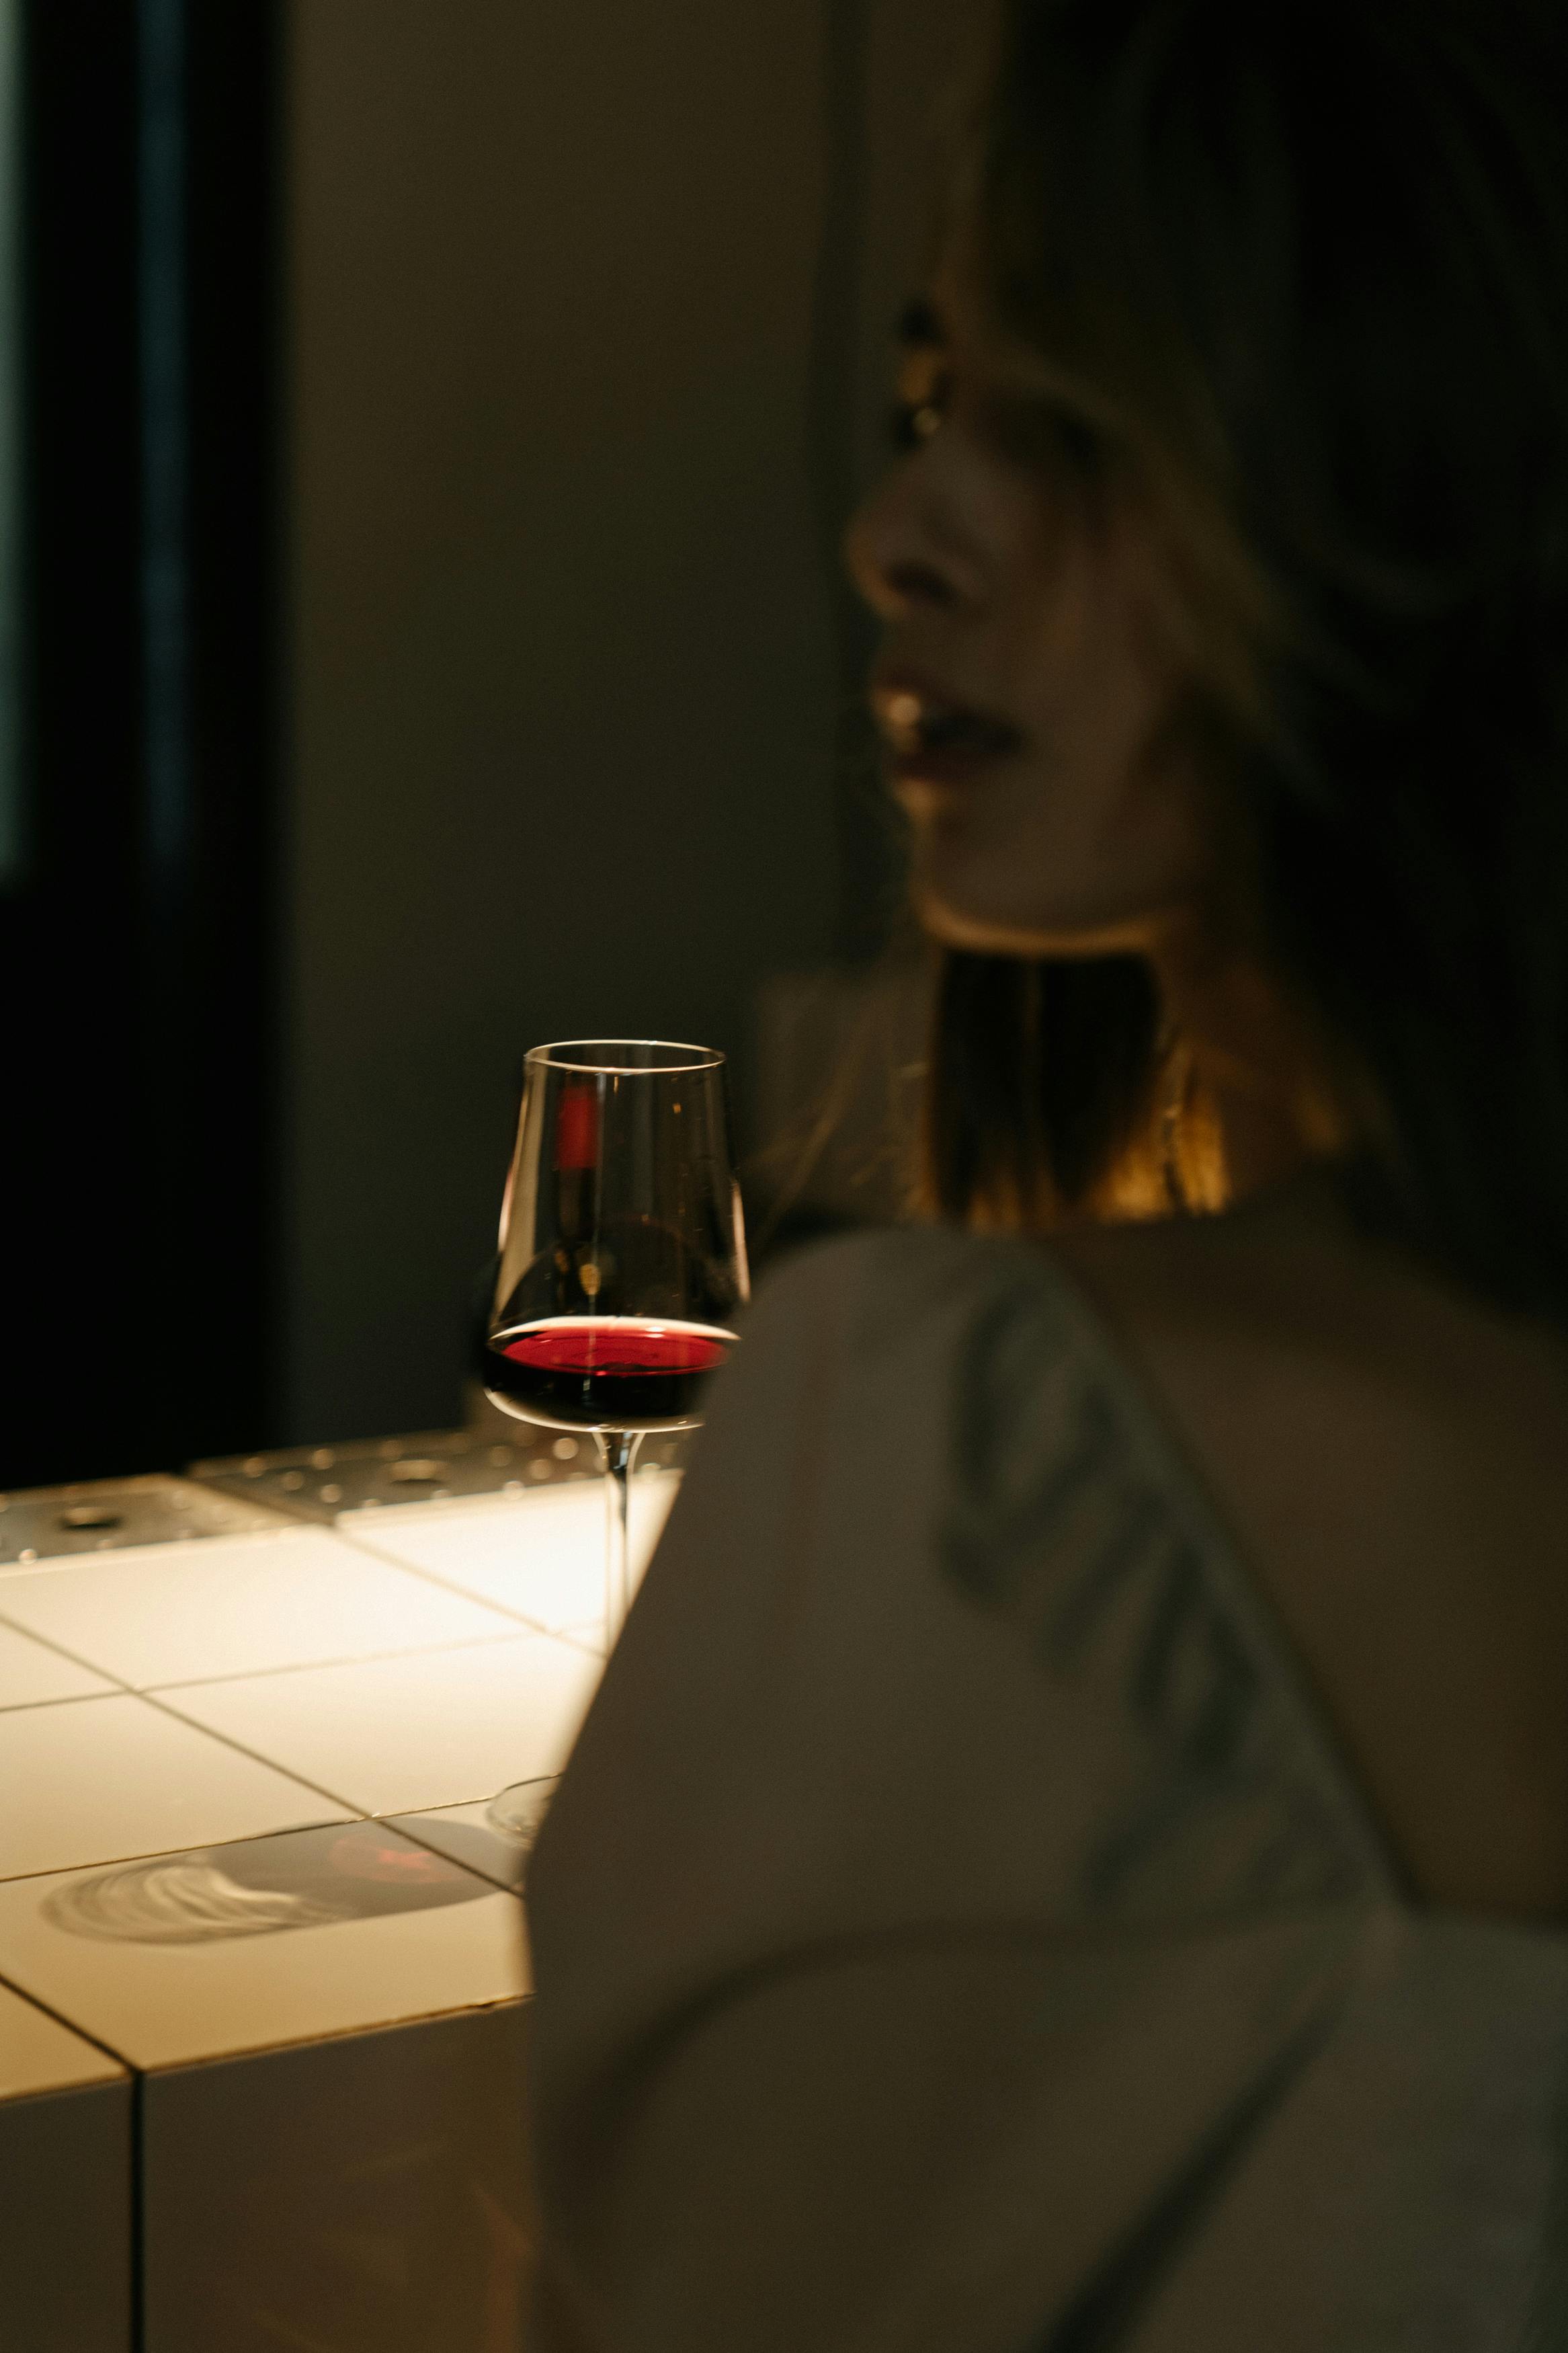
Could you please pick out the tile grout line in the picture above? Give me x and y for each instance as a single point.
(61, 1652)
(358, 1812)
(447, 1584)
(121, 1688)
(428, 1845)
(321, 1666)
(355, 1811)
(415, 1568)
(82, 2033)
(398, 1822)
(284, 1772)
(262, 1674)
(368, 1551)
(167, 1854)
(261, 1538)
(65, 1699)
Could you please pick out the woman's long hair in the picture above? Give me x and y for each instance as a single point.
(1298, 271)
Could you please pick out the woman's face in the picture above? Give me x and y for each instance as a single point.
(1025, 689)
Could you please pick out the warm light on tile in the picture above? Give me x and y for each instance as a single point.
(189, 1613)
(542, 1555)
(169, 2004)
(399, 1735)
(91, 1781)
(31, 1674)
(38, 2054)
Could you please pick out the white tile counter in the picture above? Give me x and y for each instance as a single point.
(226, 1975)
(93, 1780)
(168, 1614)
(32, 1673)
(539, 1556)
(170, 1961)
(396, 1735)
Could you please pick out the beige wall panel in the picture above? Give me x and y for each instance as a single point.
(561, 620)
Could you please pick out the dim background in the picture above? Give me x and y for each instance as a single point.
(435, 425)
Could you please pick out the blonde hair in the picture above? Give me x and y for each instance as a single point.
(1355, 446)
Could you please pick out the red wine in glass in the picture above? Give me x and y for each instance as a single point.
(606, 1372)
(623, 1256)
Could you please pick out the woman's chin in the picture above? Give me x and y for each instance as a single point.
(962, 919)
(983, 923)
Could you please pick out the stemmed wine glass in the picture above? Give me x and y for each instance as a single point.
(623, 1255)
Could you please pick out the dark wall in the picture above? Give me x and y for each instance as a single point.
(561, 625)
(588, 320)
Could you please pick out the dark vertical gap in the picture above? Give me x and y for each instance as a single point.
(13, 843)
(139, 2331)
(168, 1093)
(868, 862)
(211, 177)
(164, 370)
(139, 1214)
(73, 1194)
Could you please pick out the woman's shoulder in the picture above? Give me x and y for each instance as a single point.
(928, 1254)
(934, 1551)
(983, 1370)
(1389, 1453)
(969, 1397)
(911, 1288)
(978, 1368)
(989, 1353)
(965, 1365)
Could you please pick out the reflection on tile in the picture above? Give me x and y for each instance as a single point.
(542, 1555)
(400, 1736)
(166, 2000)
(31, 1674)
(260, 1887)
(495, 1839)
(92, 1780)
(185, 1613)
(38, 2054)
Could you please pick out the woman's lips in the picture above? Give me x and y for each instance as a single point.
(934, 740)
(951, 766)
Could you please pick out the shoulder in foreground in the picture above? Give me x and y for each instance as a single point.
(894, 1272)
(1285, 1273)
(884, 1313)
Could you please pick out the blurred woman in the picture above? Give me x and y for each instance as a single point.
(1072, 1849)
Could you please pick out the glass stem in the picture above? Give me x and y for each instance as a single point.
(618, 1453)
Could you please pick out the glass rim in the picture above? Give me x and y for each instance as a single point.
(552, 1056)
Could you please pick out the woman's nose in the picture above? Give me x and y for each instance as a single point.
(896, 552)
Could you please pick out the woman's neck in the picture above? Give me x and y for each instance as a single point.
(1262, 1082)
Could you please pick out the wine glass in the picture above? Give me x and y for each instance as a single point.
(623, 1255)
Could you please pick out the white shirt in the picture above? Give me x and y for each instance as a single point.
(957, 1931)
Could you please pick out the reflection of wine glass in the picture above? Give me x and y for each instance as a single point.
(623, 1256)
(265, 1886)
